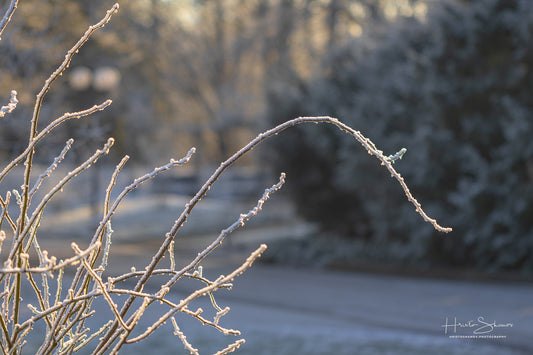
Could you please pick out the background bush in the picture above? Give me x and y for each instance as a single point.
(455, 90)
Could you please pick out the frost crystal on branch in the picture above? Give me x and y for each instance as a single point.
(397, 155)
(11, 105)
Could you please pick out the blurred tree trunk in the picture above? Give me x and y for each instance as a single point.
(334, 9)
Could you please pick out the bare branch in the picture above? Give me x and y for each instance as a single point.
(66, 62)
(97, 278)
(7, 16)
(225, 232)
(50, 263)
(231, 348)
(38, 105)
(52, 167)
(183, 338)
(201, 292)
(100, 152)
(110, 336)
(45, 131)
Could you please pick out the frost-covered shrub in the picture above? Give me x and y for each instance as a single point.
(52, 314)
(456, 91)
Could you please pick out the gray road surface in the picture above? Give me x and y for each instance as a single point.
(294, 311)
(307, 311)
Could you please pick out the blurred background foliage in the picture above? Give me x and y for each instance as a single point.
(454, 89)
(191, 72)
(449, 80)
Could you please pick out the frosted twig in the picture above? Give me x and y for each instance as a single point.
(37, 109)
(52, 167)
(107, 247)
(91, 160)
(172, 305)
(367, 144)
(107, 198)
(11, 105)
(3, 324)
(45, 131)
(50, 264)
(65, 331)
(213, 323)
(240, 222)
(231, 348)
(93, 336)
(59, 286)
(136, 184)
(32, 234)
(220, 314)
(19, 341)
(22, 227)
(97, 278)
(398, 155)
(171, 256)
(167, 272)
(182, 337)
(2, 238)
(95, 293)
(68, 345)
(201, 292)
(58, 306)
(44, 276)
(112, 183)
(111, 210)
(42, 300)
(5, 212)
(66, 62)
(225, 232)
(7, 16)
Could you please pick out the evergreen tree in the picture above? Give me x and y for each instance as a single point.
(455, 90)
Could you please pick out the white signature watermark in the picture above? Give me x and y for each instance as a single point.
(479, 328)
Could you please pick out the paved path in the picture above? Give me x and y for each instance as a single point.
(283, 310)
(383, 309)
(307, 311)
